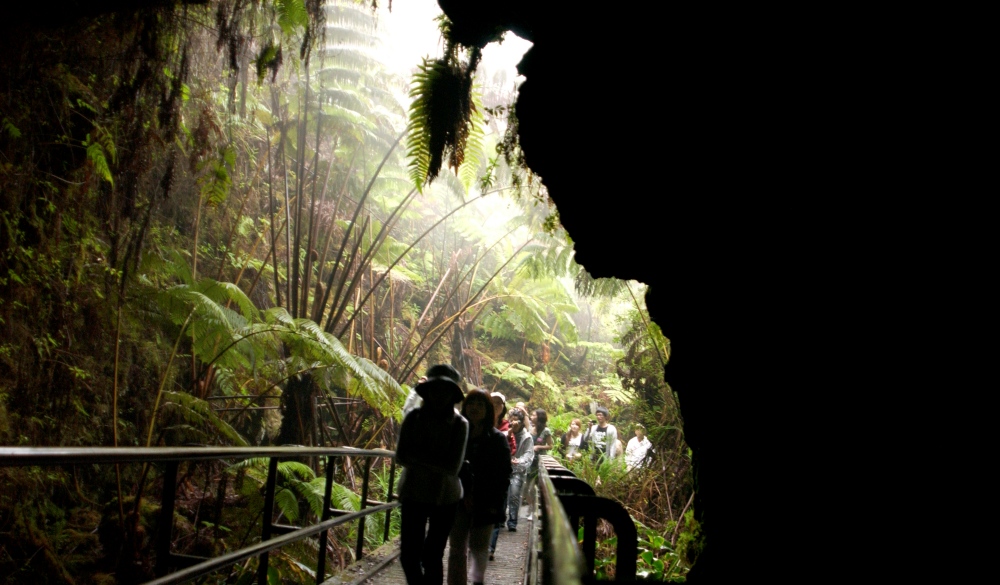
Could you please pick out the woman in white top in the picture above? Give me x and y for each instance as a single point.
(572, 440)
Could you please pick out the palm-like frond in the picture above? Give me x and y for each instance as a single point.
(199, 414)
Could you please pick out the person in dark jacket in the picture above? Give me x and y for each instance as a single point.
(483, 504)
(501, 424)
(431, 450)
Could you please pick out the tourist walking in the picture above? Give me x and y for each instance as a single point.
(431, 449)
(637, 449)
(602, 436)
(542, 443)
(482, 505)
(521, 462)
(572, 440)
(501, 424)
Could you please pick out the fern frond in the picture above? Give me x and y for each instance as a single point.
(200, 412)
(475, 154)
(288, 504)
(296, 470)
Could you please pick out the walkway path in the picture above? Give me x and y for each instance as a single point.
(507, 568)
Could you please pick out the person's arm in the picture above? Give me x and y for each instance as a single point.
(527, 454)
(406, 445)
(546, 442)
(502, 468)
(612, 443)
(459, 439)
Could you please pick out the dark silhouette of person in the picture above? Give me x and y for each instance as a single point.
(431, 450)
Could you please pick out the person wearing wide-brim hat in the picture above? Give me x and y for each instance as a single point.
(430, 449)
(444, 378)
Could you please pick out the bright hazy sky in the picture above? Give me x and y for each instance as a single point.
(413, 33)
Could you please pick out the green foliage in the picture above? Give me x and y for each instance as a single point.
(658, 559)
(291, 15)
(216, 180)
(198, 415)
(443, 117)
(123, 141)
(95, 153)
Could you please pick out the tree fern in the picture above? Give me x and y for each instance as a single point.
(199, 414)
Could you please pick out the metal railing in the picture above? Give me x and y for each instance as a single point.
(564, 501)
(190, 567)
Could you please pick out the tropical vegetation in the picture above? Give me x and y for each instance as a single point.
(229, 224)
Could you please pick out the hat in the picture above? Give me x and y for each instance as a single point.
(443, 377)
(503, 400)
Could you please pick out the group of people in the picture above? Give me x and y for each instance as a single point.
(601, 439)
(466, 470)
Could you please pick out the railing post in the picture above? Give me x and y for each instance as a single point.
(166, 524)
(364, 504)
(327, 491)
(388, 498)
(590, 540)
(265, 534)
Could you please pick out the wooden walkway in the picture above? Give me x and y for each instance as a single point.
(507, 568)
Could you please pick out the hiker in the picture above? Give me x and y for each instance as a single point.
(521, 461)
(638, 448)
(431, 450)
(413, 399)
(483, 502)
(572, 440)
(602, 436)
(542, 443)
(500, 419)
(501, 424)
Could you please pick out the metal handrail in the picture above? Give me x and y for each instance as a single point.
(22, 456)
(172, 456)
(565, 499)
(562, 560)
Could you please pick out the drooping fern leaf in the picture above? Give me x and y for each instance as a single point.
(288, 504)
(474, 153)
(441, 116)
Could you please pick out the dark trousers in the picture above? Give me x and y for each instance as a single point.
(423, 534)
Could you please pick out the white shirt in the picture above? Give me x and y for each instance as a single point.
(636, 451)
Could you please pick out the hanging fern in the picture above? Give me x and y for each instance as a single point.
(474, 151)
(441, 115)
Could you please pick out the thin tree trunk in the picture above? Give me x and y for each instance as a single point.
(320, 301)
(270, 195)
(288, 221)
(300, 172)
(415, 242)
(340, 287)
(357, 211)
(411, 363)
(383, 233)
